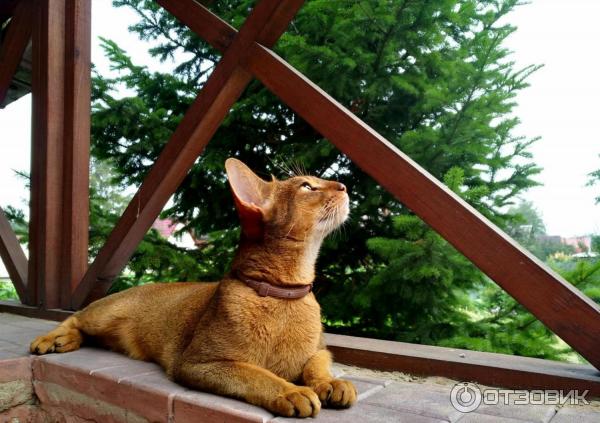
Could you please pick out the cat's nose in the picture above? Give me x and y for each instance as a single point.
(341, 187)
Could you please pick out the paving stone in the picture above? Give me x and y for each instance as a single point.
(365, 387)
(10, 346)
(20, 336)
(128, 369)
(506, 407)
(29, 323)
(364, 413)
(88, 359)
(6, 355)
(195, 406)
(576, 415)
(421, 399)
(486, 418)
(136, 391)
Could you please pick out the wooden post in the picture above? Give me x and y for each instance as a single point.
(60, 150)
(47, 86)
(76, 146)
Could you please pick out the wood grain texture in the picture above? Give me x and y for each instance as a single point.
(13, 257)
(224, 86)
(14, 307)
(560, 306)
(45, 228)
(7, 8)
(12, 48)
(491, 369)
(77, 101)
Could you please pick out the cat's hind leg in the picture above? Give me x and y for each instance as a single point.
(66, 337)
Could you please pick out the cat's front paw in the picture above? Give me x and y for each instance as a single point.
(336, 393)
(298, 401)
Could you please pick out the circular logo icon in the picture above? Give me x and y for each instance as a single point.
(465, 397)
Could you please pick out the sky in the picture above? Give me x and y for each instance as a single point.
(560, 106)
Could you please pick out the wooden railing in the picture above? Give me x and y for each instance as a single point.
(61, 141)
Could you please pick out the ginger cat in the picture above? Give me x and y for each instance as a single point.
(232, 337)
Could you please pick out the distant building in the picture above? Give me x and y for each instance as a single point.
(582, 244)
(168, 229)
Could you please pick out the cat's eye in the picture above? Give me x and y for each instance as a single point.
(308, 186)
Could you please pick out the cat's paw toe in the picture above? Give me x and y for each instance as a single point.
(298, 402)
(336, 393)
(63, 341)
(42, 345)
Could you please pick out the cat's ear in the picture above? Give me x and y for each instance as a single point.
(251, 195)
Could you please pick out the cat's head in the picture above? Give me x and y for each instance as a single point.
(300, 208)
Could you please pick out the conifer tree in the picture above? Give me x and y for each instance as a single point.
(433, 77)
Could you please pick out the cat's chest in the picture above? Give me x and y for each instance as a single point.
(279, 335)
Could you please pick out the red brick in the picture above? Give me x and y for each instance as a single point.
(76, 406)
(15, 369)
(143, 395)
(21, 414)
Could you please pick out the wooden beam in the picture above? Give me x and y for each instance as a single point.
(225, 85)
(7, 7)
(490, 369)
(13, 257)
(17, 37)
(46, 224)
(559, 305)
(76, 146)
(14, 307)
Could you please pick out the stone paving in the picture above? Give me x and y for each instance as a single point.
(102, 386)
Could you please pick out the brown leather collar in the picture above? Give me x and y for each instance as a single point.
(265, 289)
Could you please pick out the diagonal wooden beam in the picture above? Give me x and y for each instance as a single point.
(558, 304)
(17, 37)
(225, 85)
(7, 8)
(13, 257)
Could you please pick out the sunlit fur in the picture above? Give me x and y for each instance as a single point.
(223, 337)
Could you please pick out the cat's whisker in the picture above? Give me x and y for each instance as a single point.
(290, 231)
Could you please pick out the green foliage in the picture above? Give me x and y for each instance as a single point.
(7, 291)
(433, 77)
(595, 243)
(155, 259)
(503, 325)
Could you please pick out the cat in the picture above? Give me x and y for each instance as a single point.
(237, 337)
